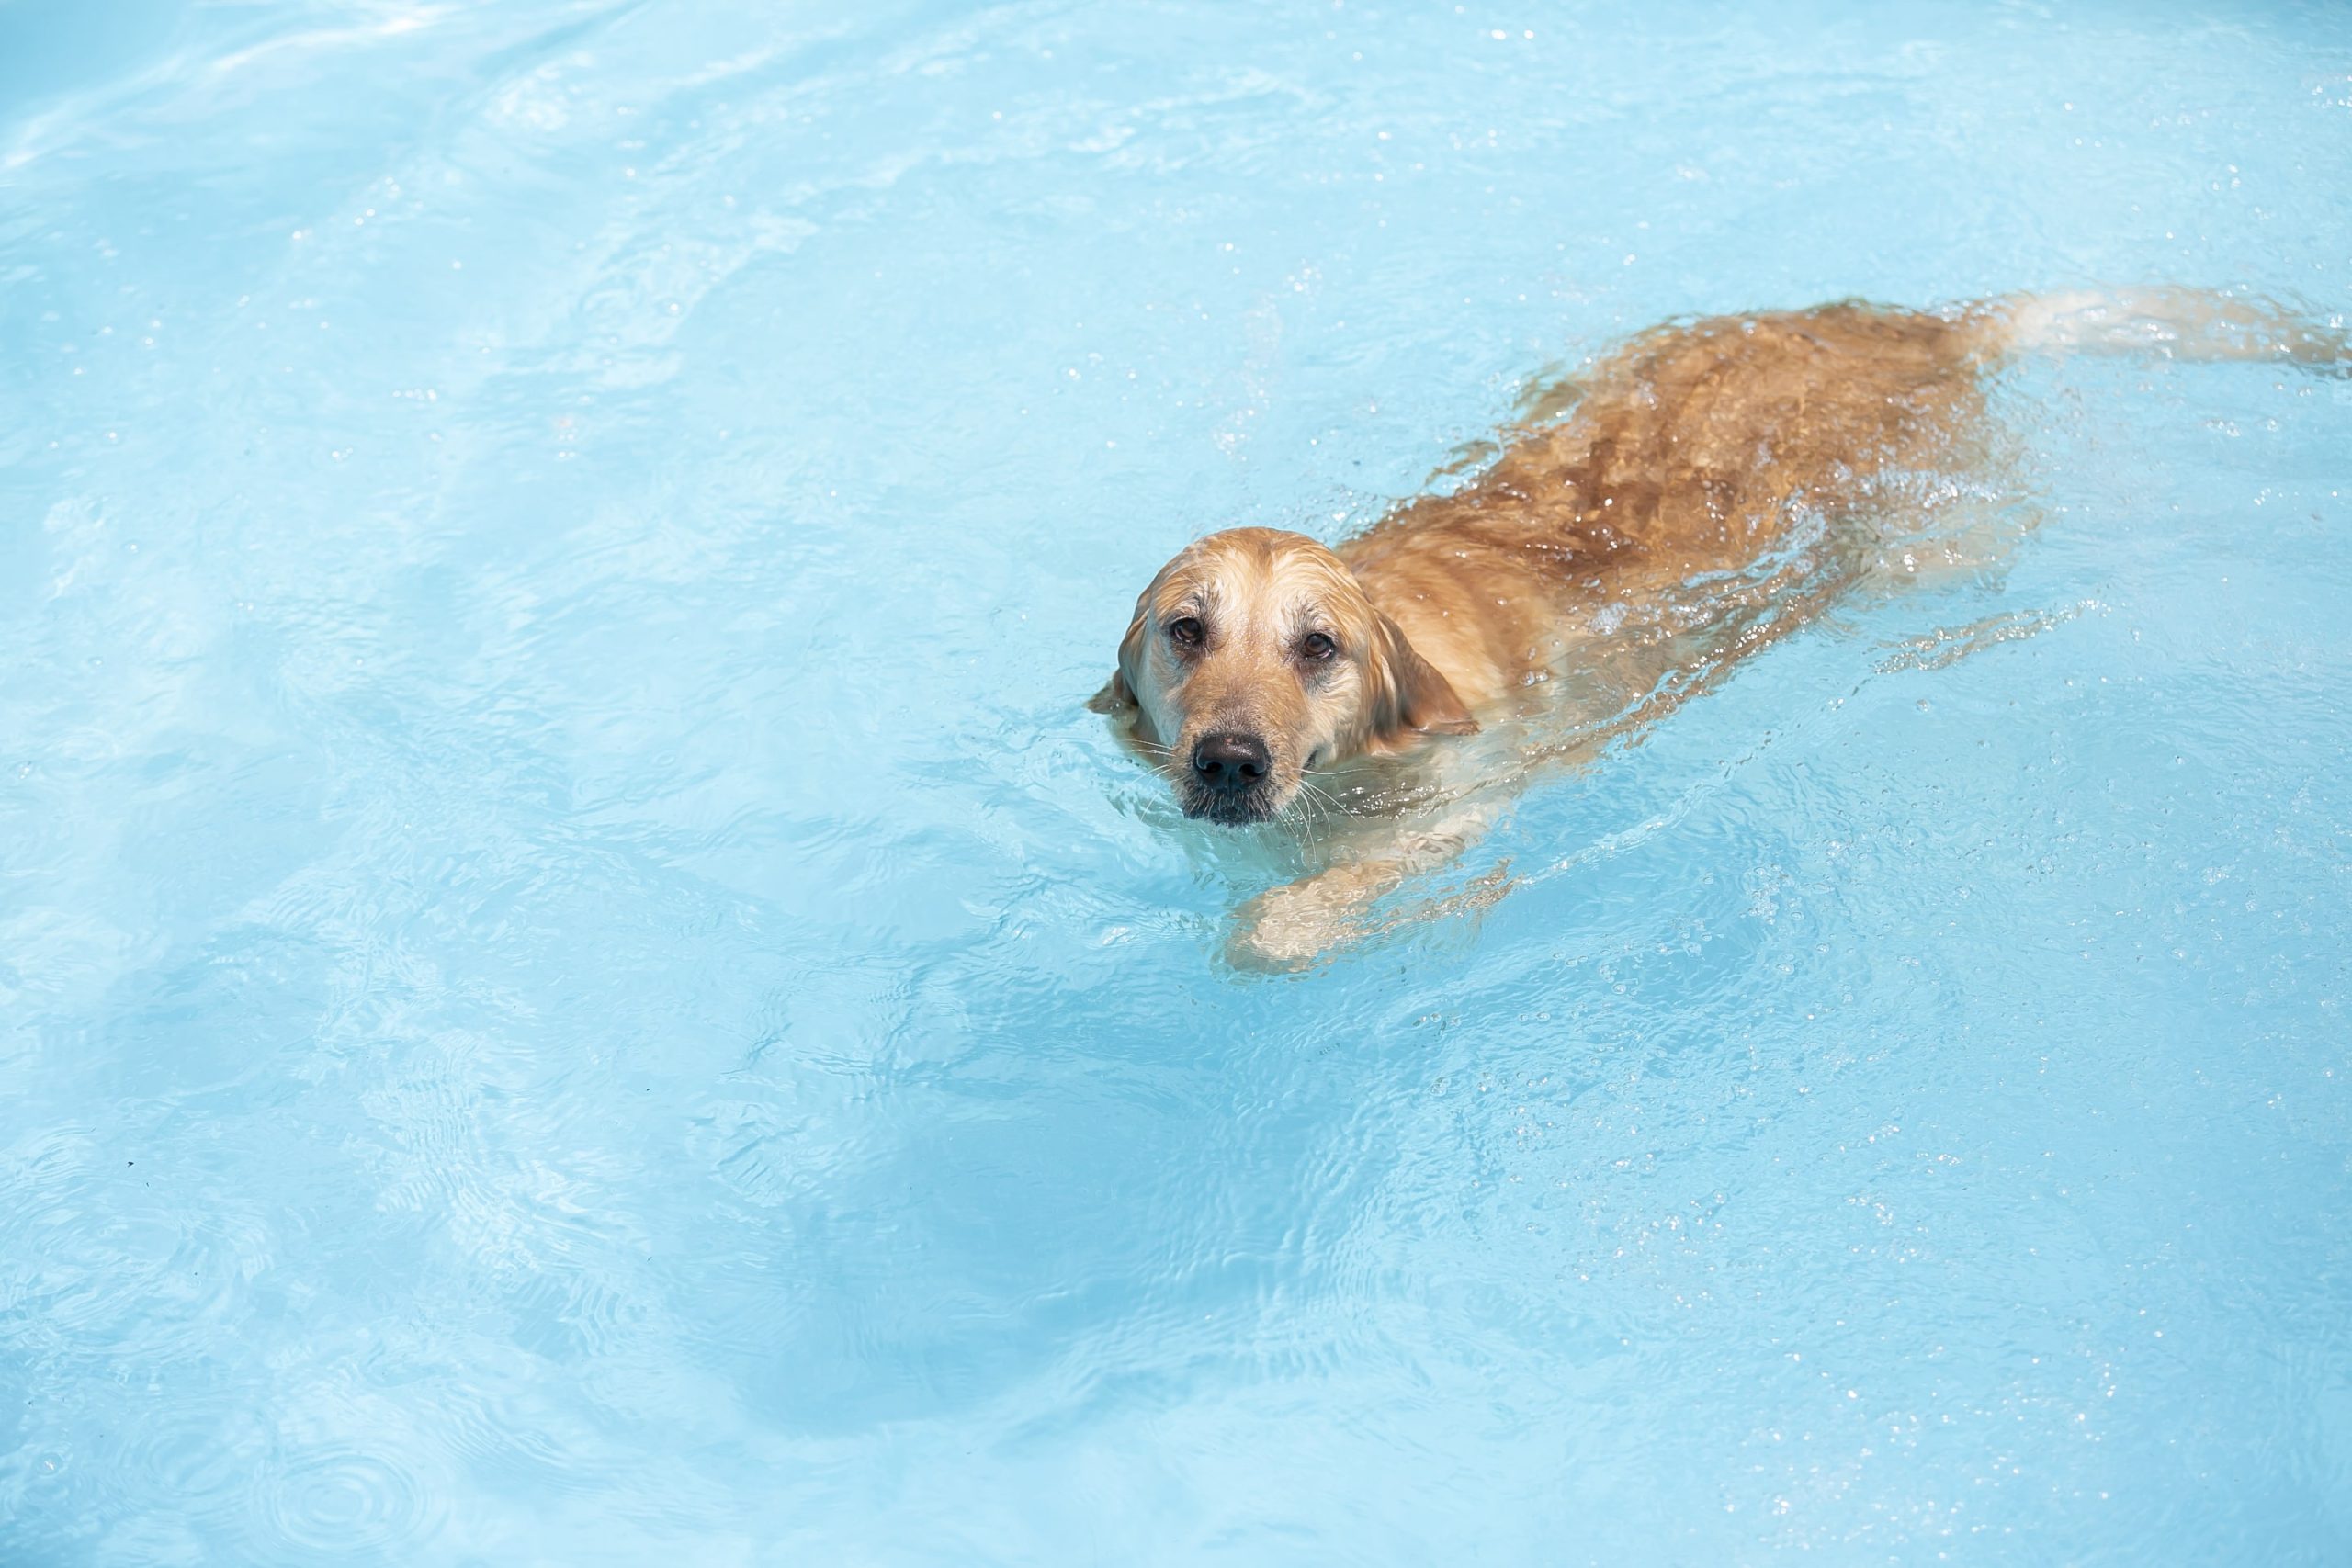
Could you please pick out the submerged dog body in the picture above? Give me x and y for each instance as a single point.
(1258, 659)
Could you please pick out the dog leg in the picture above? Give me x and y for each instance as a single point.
(1291, 927)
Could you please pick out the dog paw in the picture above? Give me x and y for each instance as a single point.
(1286, 930)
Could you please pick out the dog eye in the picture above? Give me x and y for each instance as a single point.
(1186, 631)
(1317, 646)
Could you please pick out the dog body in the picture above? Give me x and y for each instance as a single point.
(1684, 456)
(1622, 544)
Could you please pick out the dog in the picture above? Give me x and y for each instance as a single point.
(1699, 492)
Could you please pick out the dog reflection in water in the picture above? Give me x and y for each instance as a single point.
(1701, 492)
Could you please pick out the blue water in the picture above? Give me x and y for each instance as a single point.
(576, 987)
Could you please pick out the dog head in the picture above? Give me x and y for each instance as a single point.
(1255, 658)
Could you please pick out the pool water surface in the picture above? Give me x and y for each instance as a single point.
(577, 987)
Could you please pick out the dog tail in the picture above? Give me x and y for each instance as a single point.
(2193, 324)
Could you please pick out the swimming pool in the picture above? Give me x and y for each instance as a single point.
(579, 989)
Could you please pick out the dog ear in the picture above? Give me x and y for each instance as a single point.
(1114, 697)
(1118, 693)
(1420, 698)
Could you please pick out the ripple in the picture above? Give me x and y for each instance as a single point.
(1949, 645)
(199, 1457)
(344, 1503)
(516, 1430)
(110, 1265)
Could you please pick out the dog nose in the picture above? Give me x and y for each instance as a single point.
(1229, 762)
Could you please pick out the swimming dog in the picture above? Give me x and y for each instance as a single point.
(1645, 528)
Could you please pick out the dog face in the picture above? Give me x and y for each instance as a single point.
(1255, 658)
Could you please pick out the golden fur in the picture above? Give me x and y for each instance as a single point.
(1258, 593)
(1687, 453)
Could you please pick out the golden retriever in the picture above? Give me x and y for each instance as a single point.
(1261, 668)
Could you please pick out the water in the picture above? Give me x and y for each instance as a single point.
(577, 987)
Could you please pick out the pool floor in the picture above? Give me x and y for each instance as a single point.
(577, 987)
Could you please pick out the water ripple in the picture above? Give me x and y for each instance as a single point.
(106, 1261)
(340, 1502)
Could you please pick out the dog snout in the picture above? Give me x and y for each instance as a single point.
(1230, 762)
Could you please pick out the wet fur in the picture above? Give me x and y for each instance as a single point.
(1692, 451)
